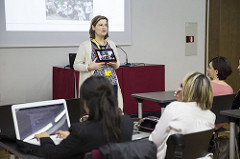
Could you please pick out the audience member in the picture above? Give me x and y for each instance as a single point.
(86, 59)
(219, 69)
(105, 123)
(236, 102)
(191, 115)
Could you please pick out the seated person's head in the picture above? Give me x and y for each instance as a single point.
(219, 67)
(96, 95)
(97, 98)
(196, 87)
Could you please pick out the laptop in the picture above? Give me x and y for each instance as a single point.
(71, 57)
(33, 118)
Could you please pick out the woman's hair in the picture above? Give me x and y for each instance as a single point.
(94, 22)
(197, 88)
(223, 65)
(97, 93)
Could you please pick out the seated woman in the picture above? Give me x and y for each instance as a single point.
(219, 69)
(191, 115)
(105, 123)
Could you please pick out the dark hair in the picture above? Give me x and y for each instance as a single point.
(223, 65)
(97, 93)
(94, 22)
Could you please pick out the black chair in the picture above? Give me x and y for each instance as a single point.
(220, 103)
(6, 119)
(71, 58)
(188, 146)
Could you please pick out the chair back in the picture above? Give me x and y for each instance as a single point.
(71, 58)
(6, 119)
(188, 146)
(220, 103)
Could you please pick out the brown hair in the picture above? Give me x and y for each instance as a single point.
(94, 22)
(223, 66)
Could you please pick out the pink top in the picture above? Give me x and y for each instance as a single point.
(219, 89)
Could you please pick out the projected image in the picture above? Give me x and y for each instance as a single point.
(81, 10)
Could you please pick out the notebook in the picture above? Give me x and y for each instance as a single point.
(71, 57)
(33, 118)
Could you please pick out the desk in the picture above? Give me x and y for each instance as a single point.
(162, 98)
(233, 115)
(133, 79)
(12, 148)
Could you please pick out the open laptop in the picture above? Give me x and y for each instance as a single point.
(33, 118)
(71, 57)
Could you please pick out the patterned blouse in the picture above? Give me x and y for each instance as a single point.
(113, 77)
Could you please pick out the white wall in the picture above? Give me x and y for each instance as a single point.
(158, 37)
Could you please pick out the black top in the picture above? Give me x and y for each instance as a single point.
(236, 102)
(83, 138)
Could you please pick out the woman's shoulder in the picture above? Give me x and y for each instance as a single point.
(177, 106)
(85, 43)
(126, 118)
(220, 84)
(82, 128)
(111, 43)
(221, 89)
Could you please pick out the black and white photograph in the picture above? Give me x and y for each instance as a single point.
(79, 10)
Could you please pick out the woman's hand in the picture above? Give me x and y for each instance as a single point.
(42, 134)
(95, 66)
(62, 134)
(113, 64)
(178, 94)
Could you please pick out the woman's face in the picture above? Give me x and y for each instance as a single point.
(211, 72)
(101, 28)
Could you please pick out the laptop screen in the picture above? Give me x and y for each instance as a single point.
(33, 118)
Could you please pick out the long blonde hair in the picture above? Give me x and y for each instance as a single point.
(197, 88)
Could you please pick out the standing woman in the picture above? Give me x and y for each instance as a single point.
(86, 63)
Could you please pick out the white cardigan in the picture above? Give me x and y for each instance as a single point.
(180, 117)
(83, 59)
